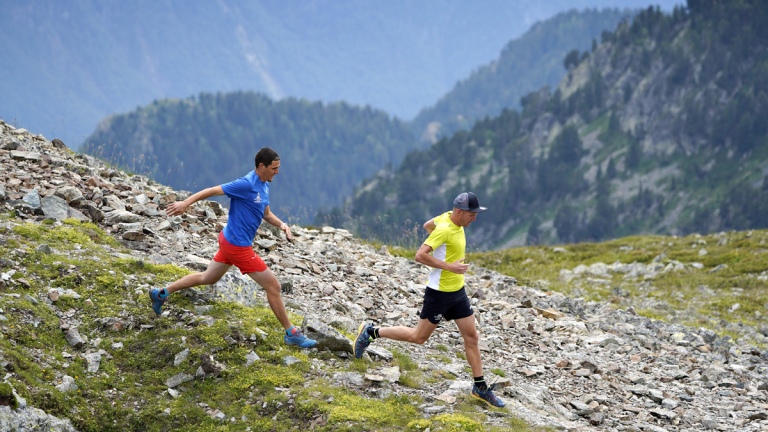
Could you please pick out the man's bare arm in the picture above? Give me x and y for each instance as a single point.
(423, 257)
(274, 220)
(177, 208)
(430, 225)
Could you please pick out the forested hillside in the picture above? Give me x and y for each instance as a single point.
(210, 139)
(524, 65)
(655, 130)
(76, 62)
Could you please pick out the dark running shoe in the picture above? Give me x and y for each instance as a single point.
(362, 340)
(487, 396)
(157, 302)
(297, 338)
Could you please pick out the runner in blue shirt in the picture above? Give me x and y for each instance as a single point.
(249, 204)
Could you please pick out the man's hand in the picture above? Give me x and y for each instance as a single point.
(458, 267)
(287, 230)
(176, 208)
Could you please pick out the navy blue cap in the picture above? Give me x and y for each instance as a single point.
(468, 201)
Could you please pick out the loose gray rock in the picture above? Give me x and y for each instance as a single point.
(31, 299)
(178, 379)
(251, 358)
(391, 374)
(267, 244)
(286, 285)
(32, 419)
(349, 378)
(435, 409)
(25, 156)
(326, 336)
(289, 360)
(43, 248)
(73, 338)
(134, 235)
(67, 384)
(32, 198)
(656, 395)
(203, 309)
(69, 193)
(55, 207)
(181, 357)
(669, 404)
(94, 361)
(196, 262)
(664, 414)
(116, 216)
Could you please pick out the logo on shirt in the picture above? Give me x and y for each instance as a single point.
(257, 200)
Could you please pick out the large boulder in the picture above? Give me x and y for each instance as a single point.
(55, 207)
(326, 336)
(32, 198)
(117, 216)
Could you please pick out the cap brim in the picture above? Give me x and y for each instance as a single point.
(478, 210)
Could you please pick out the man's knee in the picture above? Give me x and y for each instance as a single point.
(419, 339)
(272, 287)
(208, 278)
(471, 340)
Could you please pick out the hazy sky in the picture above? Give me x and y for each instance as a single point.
(71, 63)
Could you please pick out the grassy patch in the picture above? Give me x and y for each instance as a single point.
(729, 284)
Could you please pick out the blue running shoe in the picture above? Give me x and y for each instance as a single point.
(157, 302)
(487, 396)
(362, 340)
(298, 338)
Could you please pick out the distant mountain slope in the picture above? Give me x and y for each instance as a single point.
(658, 130)
(524, 65)
(199, 142)
(68, 65)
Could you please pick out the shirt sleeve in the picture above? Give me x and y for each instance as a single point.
(237, 189)
(438, 237)
(442, 218)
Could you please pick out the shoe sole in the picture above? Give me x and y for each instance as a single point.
(354, 346)
(481, 399)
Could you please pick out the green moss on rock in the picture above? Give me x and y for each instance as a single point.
(7, 397)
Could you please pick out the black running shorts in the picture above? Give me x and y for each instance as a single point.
(439, 305)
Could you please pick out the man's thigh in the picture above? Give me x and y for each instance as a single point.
(424, 329)
(216, 270)
(467, 326)
(266, 279)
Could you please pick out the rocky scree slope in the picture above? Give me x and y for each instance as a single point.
(82, 242)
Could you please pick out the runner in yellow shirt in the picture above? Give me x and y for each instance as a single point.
(444, 297)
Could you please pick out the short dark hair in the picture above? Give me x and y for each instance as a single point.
(266, 156)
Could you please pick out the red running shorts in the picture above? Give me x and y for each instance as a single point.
(242, 257)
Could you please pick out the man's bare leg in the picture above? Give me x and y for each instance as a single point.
(418, 335)
(271, 285)
(212, 274)
(471, 339)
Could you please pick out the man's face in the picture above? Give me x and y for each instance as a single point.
(466, 217)
(267, 173)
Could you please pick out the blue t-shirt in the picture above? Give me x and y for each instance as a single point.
(249, 197)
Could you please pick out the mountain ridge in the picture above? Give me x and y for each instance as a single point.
(649, 133)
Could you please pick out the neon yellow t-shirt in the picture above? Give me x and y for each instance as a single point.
(448, 244)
